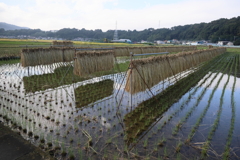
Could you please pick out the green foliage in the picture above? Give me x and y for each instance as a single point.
(221, 29)
(237, 42)
(11, 61)
(92, 92)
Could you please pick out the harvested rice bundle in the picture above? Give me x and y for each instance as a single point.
(90, 62)
(121, 51)
(44, 56)
(125, 51)
(62, 43)
(68, 54)
(136, 50)
(29, 57)
(57, 55)
(157, 68)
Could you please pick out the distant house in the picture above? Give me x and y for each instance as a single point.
(169, 41)
(160, 42)
(222, 43)
(142, 41)
(122, 41)
(230, 43)
(198, 43)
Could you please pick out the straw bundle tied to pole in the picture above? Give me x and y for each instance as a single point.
(90, 62)
(157, 68)
(62, 43)
(68, 54)
(43, 56)
(124, 51)
(33, 57)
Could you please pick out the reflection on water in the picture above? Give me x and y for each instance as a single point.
(86, 118)
(90, 93)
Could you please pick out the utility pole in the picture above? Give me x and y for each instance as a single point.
(115, 36)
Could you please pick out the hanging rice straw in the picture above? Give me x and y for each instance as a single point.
(90, 62)
(62, 43)
(124, 51)
(158, 68)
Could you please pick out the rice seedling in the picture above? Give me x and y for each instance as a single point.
(165, 153)
(162, 141)
(178, 146)
(178, 157)
(145, 143)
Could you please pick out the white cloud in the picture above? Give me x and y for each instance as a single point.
(92, 14)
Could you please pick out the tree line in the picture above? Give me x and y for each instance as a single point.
(218, 30)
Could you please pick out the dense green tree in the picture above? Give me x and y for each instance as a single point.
(221, 29)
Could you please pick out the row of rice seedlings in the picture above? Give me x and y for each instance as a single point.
(48, 115)
(60, 76)
(199, 120)
(26, 112)
(182, 106)
(226, 153)
(189, 113)
(134, 119)
(139, 108)
(92, 92)
(216, 122)
(51, 80)
(178, 145)
(157, 68)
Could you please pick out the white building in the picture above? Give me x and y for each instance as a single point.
(222, 43)
(230, 43)
(122, 41)
(160, 42)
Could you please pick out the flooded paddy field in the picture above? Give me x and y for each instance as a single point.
(193, 115)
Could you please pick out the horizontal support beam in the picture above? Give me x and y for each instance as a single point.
(47, 45)
(145, 54)
(94, 49)
(36, 45)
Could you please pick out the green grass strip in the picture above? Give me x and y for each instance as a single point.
(184, 119)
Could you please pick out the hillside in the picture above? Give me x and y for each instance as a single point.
(7, 26)
(221, 29)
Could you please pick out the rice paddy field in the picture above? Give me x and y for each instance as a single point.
(191, 115)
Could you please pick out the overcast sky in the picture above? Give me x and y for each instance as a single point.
(103, 14)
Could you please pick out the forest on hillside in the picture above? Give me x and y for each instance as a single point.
(221, 29)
